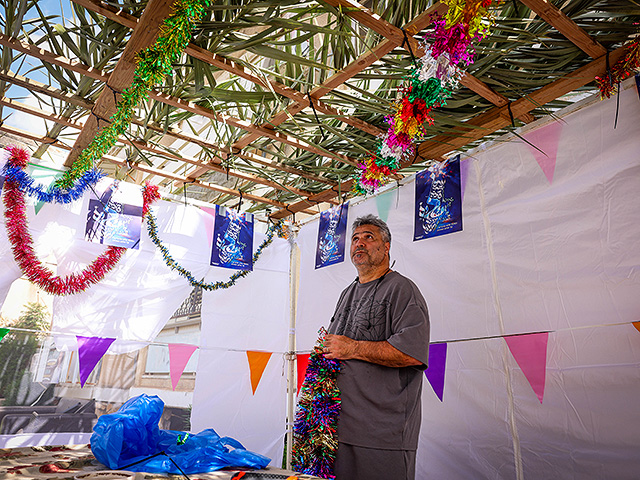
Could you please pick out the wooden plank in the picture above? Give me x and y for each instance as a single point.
(46, 56)
(38, 87)
(143, 36)
(567, 27)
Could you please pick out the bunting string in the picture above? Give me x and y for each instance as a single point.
(22, 242)
(152, 229)
(153, 64)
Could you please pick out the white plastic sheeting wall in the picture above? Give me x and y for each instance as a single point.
(533, 256)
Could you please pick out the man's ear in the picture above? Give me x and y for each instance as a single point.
(387, 247)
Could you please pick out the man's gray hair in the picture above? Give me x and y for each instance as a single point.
(373, 220)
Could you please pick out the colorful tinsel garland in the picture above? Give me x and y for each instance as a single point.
(430, 82)
(152, 229)
(622, 69)
(22, 242)
(315, 436)
(153, 64)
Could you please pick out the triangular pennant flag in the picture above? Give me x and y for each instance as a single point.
(302, 361)
(44, 176)
(90, 351)
(530, 351)
(436, 369)
(179, 355)
(383, 202)
(464, 175)
(3, 332)
(635, 324)
(546, 139)
(257, 363)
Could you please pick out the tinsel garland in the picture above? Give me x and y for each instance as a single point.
(26, 183)
(315, 436)
(430, 82)
(622, 69)
(22, 242)
(152, 229)
(153, 64)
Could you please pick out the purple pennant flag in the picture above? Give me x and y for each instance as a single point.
(437, 364)
(90, 351)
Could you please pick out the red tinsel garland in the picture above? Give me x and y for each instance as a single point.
(22, 243)
(622, 69)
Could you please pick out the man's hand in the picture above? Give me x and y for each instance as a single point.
(339, 347)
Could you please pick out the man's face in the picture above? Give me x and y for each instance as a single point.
(367, 247)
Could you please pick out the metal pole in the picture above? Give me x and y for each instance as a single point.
(294, 271)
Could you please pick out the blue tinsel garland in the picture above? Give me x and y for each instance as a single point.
(51, 194)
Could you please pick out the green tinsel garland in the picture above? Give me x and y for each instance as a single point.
(154, 63)
(152, 229)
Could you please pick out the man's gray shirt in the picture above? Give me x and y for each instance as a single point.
(381, 405)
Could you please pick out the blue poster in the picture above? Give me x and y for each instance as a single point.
(115, 214)
(438, 207)
(232, 239)
(332, 233)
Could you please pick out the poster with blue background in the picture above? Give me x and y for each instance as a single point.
(232, 239)
(438, 203)
(114, 216)
(332, 232)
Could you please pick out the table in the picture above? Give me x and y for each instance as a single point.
(76, 462)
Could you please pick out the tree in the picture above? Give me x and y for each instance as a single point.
(16, 351)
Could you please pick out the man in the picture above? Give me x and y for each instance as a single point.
(380, 331)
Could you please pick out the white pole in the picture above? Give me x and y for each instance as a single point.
(294, 270)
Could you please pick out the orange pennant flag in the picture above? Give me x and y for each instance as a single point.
(257, 363)
(637, 325)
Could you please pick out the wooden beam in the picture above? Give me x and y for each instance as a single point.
(18, 132)
(395, 35)
(567, 27)
(143, 36)
(38, 87)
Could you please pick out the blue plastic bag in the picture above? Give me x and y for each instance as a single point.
(132, 435)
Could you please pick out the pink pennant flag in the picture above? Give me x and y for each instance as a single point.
(530, 351)
(90, 352)
(436, 368)
(209, 224)
(179, 355)
(546, 139)
(302, 361)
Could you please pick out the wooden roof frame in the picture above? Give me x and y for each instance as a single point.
(145, 29)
